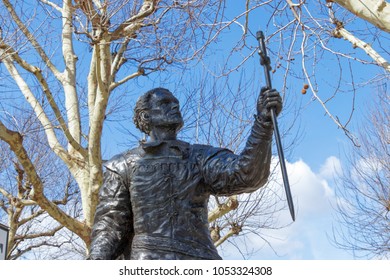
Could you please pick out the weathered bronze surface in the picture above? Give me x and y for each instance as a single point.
(153, 202)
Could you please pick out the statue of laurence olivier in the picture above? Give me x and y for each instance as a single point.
(153, 202)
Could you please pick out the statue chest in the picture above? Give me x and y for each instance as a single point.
(163, 181)
(166, 192)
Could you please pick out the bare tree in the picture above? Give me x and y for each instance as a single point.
(146, 36)
(69, 60)
(312, 34)
(30, 228)
(364, 210)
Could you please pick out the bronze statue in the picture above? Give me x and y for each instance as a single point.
(153, 202)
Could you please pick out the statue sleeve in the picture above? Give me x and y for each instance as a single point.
(226, 173)
(112, 227)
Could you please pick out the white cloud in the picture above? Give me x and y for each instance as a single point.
(331, 168)
(308, 237)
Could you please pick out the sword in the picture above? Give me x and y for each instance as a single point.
(266, 62)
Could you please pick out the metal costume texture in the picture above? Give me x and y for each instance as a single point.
(153, 202)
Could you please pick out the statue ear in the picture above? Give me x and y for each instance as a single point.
(144, 121)
(144, 116)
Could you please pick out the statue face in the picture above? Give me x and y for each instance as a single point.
(165, 110)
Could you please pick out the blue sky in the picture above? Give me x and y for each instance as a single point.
(318, 153)
(309, 237)
(317, 156)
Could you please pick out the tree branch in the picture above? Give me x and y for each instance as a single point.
(128, 28)
(234, 230)
(103, 79)
(39, 112)
(119, 59)
(317, 97)
(32, 39)
(5, 193)
(15, 141)
(69, 81)
(31, 217)
(29, 248)
(98, 4)
(124, 80)
(41, 234)
(49, 96)
(376, 12)
(92, 15)
(341, 32)
(220, 210)
(296, 15)
(92, 86)
(51, 4)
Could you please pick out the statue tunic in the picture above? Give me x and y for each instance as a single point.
(153, 202)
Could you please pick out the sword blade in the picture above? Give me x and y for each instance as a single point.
(265, 61)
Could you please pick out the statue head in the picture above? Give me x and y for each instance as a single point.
(157, 108)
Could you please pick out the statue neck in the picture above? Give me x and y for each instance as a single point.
(162, 134)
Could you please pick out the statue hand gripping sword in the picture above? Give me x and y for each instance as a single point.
(266, 62)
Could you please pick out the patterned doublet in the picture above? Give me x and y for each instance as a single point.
(153, 202)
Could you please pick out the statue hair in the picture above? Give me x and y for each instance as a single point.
(142, 107)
